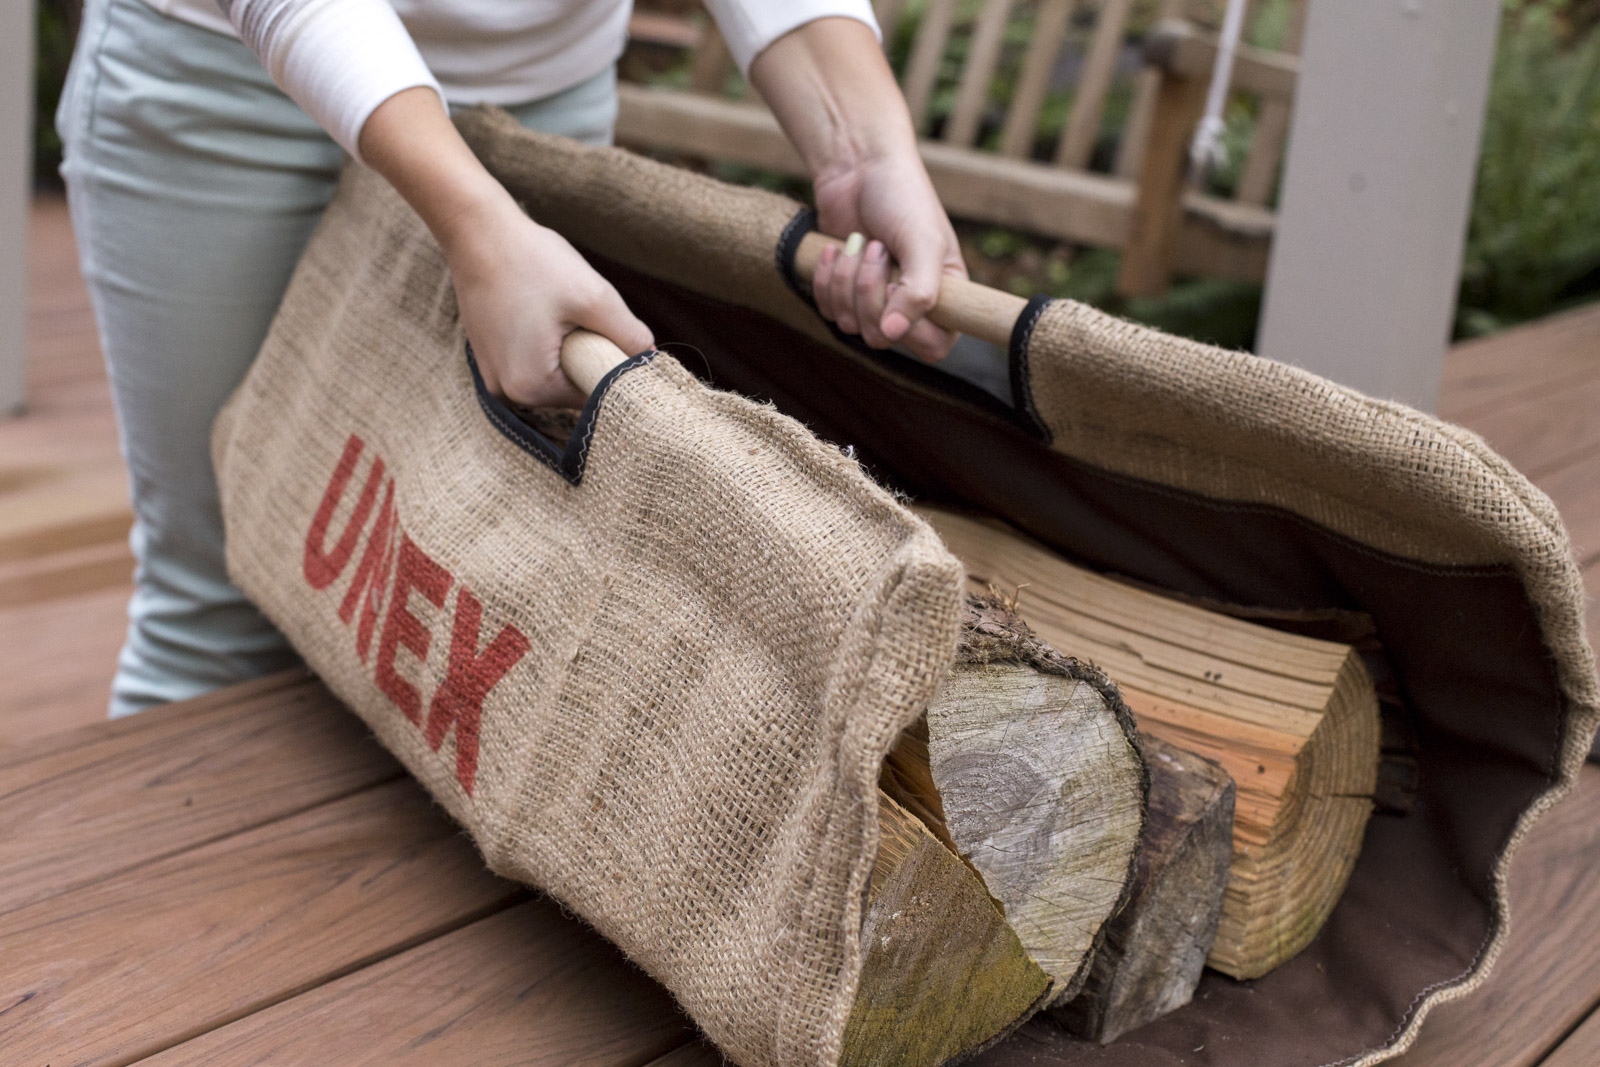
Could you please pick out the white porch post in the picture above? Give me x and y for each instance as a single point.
(1382, 154)
(16, 166)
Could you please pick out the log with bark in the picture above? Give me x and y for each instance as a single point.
(1027, 766)
(1292, 719)
(1150, 959)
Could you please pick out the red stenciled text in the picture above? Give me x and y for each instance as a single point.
(391, 574)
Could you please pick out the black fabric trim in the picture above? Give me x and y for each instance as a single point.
(804, 221)
(1021, 381)
(569, 461)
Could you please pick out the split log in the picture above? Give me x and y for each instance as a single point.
(1293, 719)
(1154, 950)
(943, 974)
(1026, 765)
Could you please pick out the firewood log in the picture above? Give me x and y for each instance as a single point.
(1292, 719)
(1155, 948)
(1026, 766)
(943, 973)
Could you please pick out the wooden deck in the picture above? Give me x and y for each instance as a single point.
(1534, 393)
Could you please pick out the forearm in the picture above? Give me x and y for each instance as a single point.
(412, 142)
(833, 93)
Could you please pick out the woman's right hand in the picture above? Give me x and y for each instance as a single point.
(521, 288)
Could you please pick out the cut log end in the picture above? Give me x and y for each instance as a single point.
(1281, 891)
(943, 974)
(1026, 765)
(1154, 950)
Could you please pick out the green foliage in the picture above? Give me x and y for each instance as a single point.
(57, 25)
(1533, 242)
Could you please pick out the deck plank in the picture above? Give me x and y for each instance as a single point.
(130, 966)
(1522, 363)
(528, 986)
(1581, 1048)
(1543, 434)
(83, 807)
(58, 658)
(1542, 984)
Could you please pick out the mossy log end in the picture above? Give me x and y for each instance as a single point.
(1154, 950)
(1026, 765)
(943, 974)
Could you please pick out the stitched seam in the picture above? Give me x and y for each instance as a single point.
(601, 391)
(518, 439)
(1022, 383)
(1494, 570)
(1427, 991)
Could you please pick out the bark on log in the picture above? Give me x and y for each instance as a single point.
(944, 975)
(1026, 765)
(1155, 948)
(1294, 721)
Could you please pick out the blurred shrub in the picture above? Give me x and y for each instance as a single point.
(1533, 242)
(55, 31)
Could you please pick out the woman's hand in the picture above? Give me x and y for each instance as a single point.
(890, 199)
(521, 288)
(833, 93)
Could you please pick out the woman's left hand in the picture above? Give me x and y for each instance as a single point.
(834, 95)
(888, 199)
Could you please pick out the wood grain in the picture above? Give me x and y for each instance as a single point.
(1292, 719)
(86, 806)
(943, 973)
(1580, 1049)
(1547, 979)
(528, 986)
(145, 960)
(1540, 435)
(1041, 787)
(1155, 948)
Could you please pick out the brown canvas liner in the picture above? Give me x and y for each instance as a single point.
(1210, 474)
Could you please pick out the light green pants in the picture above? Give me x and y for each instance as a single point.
(194, 185)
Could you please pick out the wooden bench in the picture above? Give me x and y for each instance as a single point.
(1143, 206)
(247, 878)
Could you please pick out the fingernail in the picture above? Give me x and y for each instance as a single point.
(826, 258)
(894, 325)
(875, 252)
(854, 243)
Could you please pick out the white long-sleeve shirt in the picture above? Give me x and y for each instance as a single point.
(340, 59)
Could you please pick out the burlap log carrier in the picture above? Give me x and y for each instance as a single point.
(1250, 486)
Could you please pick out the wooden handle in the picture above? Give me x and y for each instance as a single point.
(586, 357)
(964, 306)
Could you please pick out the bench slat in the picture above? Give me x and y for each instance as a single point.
(88, 804)
(527, 986)
(927, 53)
(1260, 172)
(1088, 103)
(1038, 63)
(972, 96)
(134, 964)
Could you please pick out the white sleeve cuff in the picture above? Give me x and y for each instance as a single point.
(750, 25)
(337, 59)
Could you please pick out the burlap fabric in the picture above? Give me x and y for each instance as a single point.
(1254, 486)
(655, 673)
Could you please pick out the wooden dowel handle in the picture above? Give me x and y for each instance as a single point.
(964, 306)
(586, 357)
